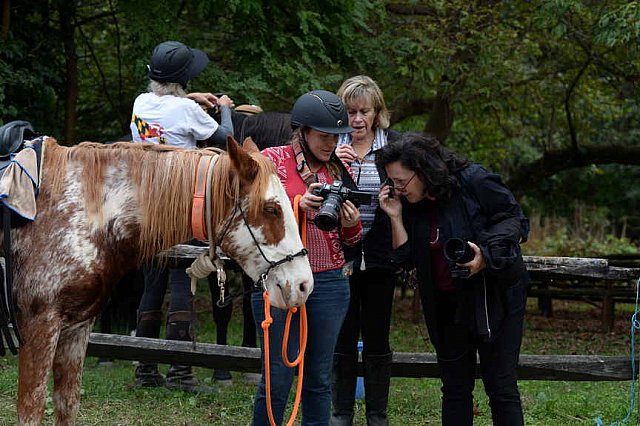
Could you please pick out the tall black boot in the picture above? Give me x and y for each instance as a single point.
(377, 373)
(147, 375)
(181, 376)
(343, 388)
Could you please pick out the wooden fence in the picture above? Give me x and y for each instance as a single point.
(405, 364)
(530, 367)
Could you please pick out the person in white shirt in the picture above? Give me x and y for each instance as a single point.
(168, 115)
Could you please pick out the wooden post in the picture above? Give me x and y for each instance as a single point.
(608, 313)
(545, 302)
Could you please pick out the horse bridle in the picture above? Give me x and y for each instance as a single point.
(259, 285)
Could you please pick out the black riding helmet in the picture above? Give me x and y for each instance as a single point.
(321, 110)
(174, 62)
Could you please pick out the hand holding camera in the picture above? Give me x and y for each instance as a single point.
(334, 196)
(465, 256)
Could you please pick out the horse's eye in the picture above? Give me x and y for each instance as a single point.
(272, 210)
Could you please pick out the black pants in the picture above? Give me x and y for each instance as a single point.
(498, 362)
(156, 280)
(222, 315)
(369, 311)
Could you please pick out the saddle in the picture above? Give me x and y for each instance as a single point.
(12, 137)
(15, 137)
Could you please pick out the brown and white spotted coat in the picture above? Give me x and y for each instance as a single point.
(102, 209)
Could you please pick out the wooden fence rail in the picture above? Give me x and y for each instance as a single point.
(405, 364)
(530, 367)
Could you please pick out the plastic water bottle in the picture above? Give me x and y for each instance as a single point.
(360, 380)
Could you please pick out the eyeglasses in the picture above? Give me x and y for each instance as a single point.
(403, 187)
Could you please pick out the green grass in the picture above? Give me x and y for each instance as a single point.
(108, 397)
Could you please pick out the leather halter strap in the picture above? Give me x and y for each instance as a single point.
(199, 203)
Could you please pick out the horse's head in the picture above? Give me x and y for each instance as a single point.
(260, 230)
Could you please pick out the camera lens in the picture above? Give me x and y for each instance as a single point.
(457, 250)
(329, 213)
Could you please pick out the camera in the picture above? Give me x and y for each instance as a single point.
(457, 250)
(335, 195)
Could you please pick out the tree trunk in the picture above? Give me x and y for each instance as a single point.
(67, 10)
(6, 18)
(440, 119)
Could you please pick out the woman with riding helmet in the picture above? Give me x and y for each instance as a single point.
(168, 115)
(308, 162)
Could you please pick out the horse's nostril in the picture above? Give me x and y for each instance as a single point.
(303, 287)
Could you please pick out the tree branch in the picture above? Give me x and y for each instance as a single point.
(555, 161)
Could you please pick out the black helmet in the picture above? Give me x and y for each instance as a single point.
(321, 110)
(173, 62)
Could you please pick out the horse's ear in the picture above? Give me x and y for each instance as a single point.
(246, 166)
(250, 146)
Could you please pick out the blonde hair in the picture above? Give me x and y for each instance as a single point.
(360, 87)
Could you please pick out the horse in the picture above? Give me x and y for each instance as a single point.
(265, 129)
(102, 209)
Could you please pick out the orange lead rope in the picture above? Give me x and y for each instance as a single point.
(268, 320)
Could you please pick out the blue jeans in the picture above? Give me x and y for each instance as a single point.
(326, 308)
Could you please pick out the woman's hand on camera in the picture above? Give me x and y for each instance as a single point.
(349, 215)
(476, 264)
(310, 202)
(346, 153)
(391, 205)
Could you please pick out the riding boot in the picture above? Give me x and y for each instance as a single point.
(181, 376)
(147, 375)
(343, 388)
(377, 373)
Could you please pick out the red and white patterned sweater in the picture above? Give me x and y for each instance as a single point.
(325, 248)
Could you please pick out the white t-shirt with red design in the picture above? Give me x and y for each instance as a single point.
(170, 120)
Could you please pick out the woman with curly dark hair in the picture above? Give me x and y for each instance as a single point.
(461, 228)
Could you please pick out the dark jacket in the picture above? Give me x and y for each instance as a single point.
(484, 211)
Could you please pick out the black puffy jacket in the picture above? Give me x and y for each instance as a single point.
(482, 210)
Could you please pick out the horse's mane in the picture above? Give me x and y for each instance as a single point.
(163, 177)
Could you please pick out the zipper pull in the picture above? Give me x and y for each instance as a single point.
(363, 267)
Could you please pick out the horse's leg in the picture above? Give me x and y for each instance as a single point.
(67, 372)
(40, 335)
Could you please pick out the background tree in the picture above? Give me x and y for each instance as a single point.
(544, 92)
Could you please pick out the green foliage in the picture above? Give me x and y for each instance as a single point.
(589, 234)
(521, 78)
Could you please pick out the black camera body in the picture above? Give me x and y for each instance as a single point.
(457, 250)
(335, 195)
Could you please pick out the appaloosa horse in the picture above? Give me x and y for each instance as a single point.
(104, 208)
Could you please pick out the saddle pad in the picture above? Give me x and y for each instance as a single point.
(19, 183)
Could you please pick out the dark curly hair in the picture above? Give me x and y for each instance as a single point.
(435, 165)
